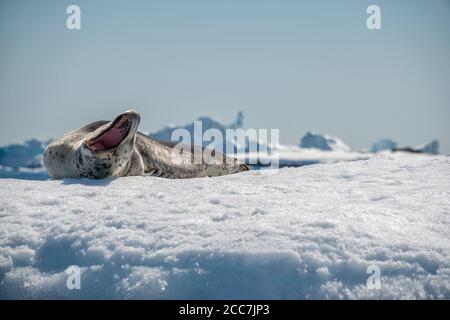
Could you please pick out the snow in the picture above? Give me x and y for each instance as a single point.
(295, 233)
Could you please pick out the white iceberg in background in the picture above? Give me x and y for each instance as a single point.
(387, 144)
(165, 134)
(323, 142)
(239, 122)
(208, 123)
(383, 144)
(25, 155)
(430, 148)
(23, 161)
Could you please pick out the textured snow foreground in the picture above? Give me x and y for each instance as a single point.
(308, 232)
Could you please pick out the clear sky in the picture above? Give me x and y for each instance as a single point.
(293, 65)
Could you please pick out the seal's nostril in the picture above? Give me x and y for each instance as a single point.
(133, 114)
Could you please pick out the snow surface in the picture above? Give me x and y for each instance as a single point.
(297, 233)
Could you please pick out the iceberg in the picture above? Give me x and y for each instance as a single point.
(197, 131)
(26, 155)
(430, 148)
(383, 144)
(323, 142)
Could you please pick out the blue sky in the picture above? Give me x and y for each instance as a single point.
(292, 65)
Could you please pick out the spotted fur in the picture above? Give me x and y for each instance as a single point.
(136, 155)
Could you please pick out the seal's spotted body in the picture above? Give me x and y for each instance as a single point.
(113, 149)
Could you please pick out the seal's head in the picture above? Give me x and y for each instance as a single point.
(96, 151)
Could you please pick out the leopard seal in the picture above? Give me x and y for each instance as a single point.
(104, 149)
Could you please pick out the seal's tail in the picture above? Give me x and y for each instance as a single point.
(244, 167)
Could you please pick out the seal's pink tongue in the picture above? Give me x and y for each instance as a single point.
(111, 138)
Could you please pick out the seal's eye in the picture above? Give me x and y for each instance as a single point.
(112, 136)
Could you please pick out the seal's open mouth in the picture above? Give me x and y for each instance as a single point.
(112, 136)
